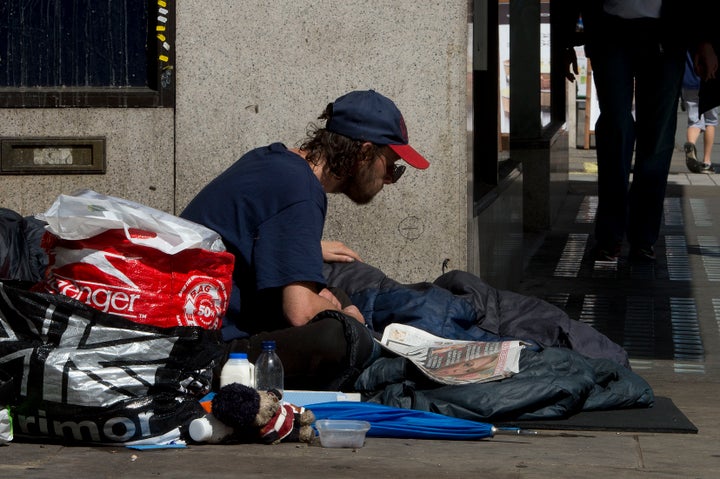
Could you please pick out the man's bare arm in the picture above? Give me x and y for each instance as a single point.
(301, 303)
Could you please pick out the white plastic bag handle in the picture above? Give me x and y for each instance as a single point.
(87, 214)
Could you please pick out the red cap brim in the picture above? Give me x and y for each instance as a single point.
(411, 157)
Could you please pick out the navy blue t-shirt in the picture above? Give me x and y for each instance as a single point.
(269, 208)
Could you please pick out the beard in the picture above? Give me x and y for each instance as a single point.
(362, 187)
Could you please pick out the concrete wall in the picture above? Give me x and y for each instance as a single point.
(254, 72)
(139, 155)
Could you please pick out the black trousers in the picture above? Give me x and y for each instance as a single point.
(633, 69)
(327, 354)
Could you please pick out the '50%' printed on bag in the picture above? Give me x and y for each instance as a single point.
(81, 375)
(134, 261)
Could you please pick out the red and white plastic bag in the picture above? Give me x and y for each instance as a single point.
(134, 261)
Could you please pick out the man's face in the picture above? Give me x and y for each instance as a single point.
(371, 176)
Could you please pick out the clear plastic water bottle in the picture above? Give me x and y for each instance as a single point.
(237, 369)
(269, 373)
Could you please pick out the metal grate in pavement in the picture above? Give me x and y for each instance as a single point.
(700, 212)
(605, 269)
(672, 212)
(687, 343)
(641, 364)
(558, 299)
(639, 332)
(654, 310)
(678, 262)
(641, 270)
(596, 310)
(695, 368)
(587, 210)
(570, 260)
(710, 251)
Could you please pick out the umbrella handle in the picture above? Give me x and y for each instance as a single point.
(514, 431)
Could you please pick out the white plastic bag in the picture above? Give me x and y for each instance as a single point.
(87, 213)
(6, 430)
(134, 261)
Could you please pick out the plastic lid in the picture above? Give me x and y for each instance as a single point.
(238, 356)
(200, 429)
(269, 344)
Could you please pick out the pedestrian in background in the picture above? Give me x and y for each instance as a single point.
(637, 49)
(697, 121)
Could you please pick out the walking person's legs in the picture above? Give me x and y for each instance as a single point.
(697, 124)
(615, 139)
(710, 118)
(658, 83)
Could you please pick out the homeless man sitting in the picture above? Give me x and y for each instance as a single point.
(269, 208)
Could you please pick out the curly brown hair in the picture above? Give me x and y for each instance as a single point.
(340, 153)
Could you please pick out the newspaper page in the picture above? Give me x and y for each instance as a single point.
(451, 361)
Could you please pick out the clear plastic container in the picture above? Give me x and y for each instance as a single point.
(269, 373)
(342, 433)
(238, 369)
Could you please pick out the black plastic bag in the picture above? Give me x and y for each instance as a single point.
(21, 256)
(81, 375)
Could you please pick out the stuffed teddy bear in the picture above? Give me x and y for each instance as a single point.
(262, 414)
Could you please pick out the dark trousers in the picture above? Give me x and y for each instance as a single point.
(327, 354)
(629, 59)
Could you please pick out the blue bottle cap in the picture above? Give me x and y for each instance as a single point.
(238, 356)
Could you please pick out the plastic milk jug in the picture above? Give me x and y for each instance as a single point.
(238, 369)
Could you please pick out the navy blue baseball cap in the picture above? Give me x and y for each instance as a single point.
(369, 116)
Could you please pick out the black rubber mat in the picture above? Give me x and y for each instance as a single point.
(663, 417)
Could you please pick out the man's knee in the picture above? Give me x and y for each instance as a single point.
(345, 340)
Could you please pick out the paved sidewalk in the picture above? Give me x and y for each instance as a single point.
(583, 164)
(677, 303)
(583, 167)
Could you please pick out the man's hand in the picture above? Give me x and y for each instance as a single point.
(302, 302)
(571, 64)
(354, 312)
(327, 294)
(338, 252)
(350, 310)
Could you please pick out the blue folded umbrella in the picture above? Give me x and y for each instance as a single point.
(388, 421)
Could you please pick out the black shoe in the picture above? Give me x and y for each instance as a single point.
(606, 251)
(691, 160)
(707, 168)
(644, 254)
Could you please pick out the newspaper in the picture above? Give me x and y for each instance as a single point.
(451, 361)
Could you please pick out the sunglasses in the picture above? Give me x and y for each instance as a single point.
(395, 171)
